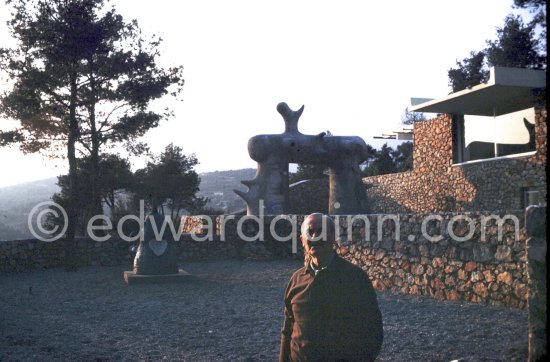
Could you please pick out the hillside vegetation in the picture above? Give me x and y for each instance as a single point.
(17, 201)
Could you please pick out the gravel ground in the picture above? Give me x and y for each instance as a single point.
(229, 311)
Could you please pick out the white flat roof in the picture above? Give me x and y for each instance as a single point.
(507, 90)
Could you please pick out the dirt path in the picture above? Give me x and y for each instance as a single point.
(231, 311)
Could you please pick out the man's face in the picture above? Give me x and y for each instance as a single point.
(317, 241)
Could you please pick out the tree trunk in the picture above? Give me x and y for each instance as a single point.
(73, 206)
(97, 208)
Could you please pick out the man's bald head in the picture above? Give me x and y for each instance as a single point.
(312, 222)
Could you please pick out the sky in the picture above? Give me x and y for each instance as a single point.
(353, 64)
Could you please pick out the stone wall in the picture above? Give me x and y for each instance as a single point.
(241, 236)
(535, 221)
(310, 196)
(476, 258)
(25, 255)
(402, 258)
(435, 184)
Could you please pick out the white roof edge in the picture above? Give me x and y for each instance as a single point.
(450, 96)
(417, 101)
(515, 77)
(519, 77)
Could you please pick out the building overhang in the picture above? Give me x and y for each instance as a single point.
(507, 90)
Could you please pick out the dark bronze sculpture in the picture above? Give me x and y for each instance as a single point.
(342, 155)
(156, 255)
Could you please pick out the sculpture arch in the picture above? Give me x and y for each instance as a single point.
(273, 153)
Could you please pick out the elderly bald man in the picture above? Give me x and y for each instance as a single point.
(331, 310)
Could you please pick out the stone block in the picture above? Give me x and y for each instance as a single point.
(503, 253)
(481, 290)
(489, 276)
(535, 220)
(131, 278)
(505, 278)
(437, 262)
(429, 270)
(462, 274)
(450, 281)
(424, 250)
(380, 254)
(452, 295)
(482, 253)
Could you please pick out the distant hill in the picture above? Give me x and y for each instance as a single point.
(17, 201)
(218, 187)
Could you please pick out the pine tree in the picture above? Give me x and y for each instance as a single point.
(517, 45)
(170, 182)
(82, 80)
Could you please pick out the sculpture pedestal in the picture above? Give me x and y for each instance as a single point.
(131, 278)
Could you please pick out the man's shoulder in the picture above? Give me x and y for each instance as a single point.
(299, 277)
(298, 273)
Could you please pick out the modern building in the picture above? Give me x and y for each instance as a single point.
(485, 150)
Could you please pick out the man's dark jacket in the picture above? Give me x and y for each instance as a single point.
(332, 316)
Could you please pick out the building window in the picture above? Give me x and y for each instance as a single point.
(480, 137)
